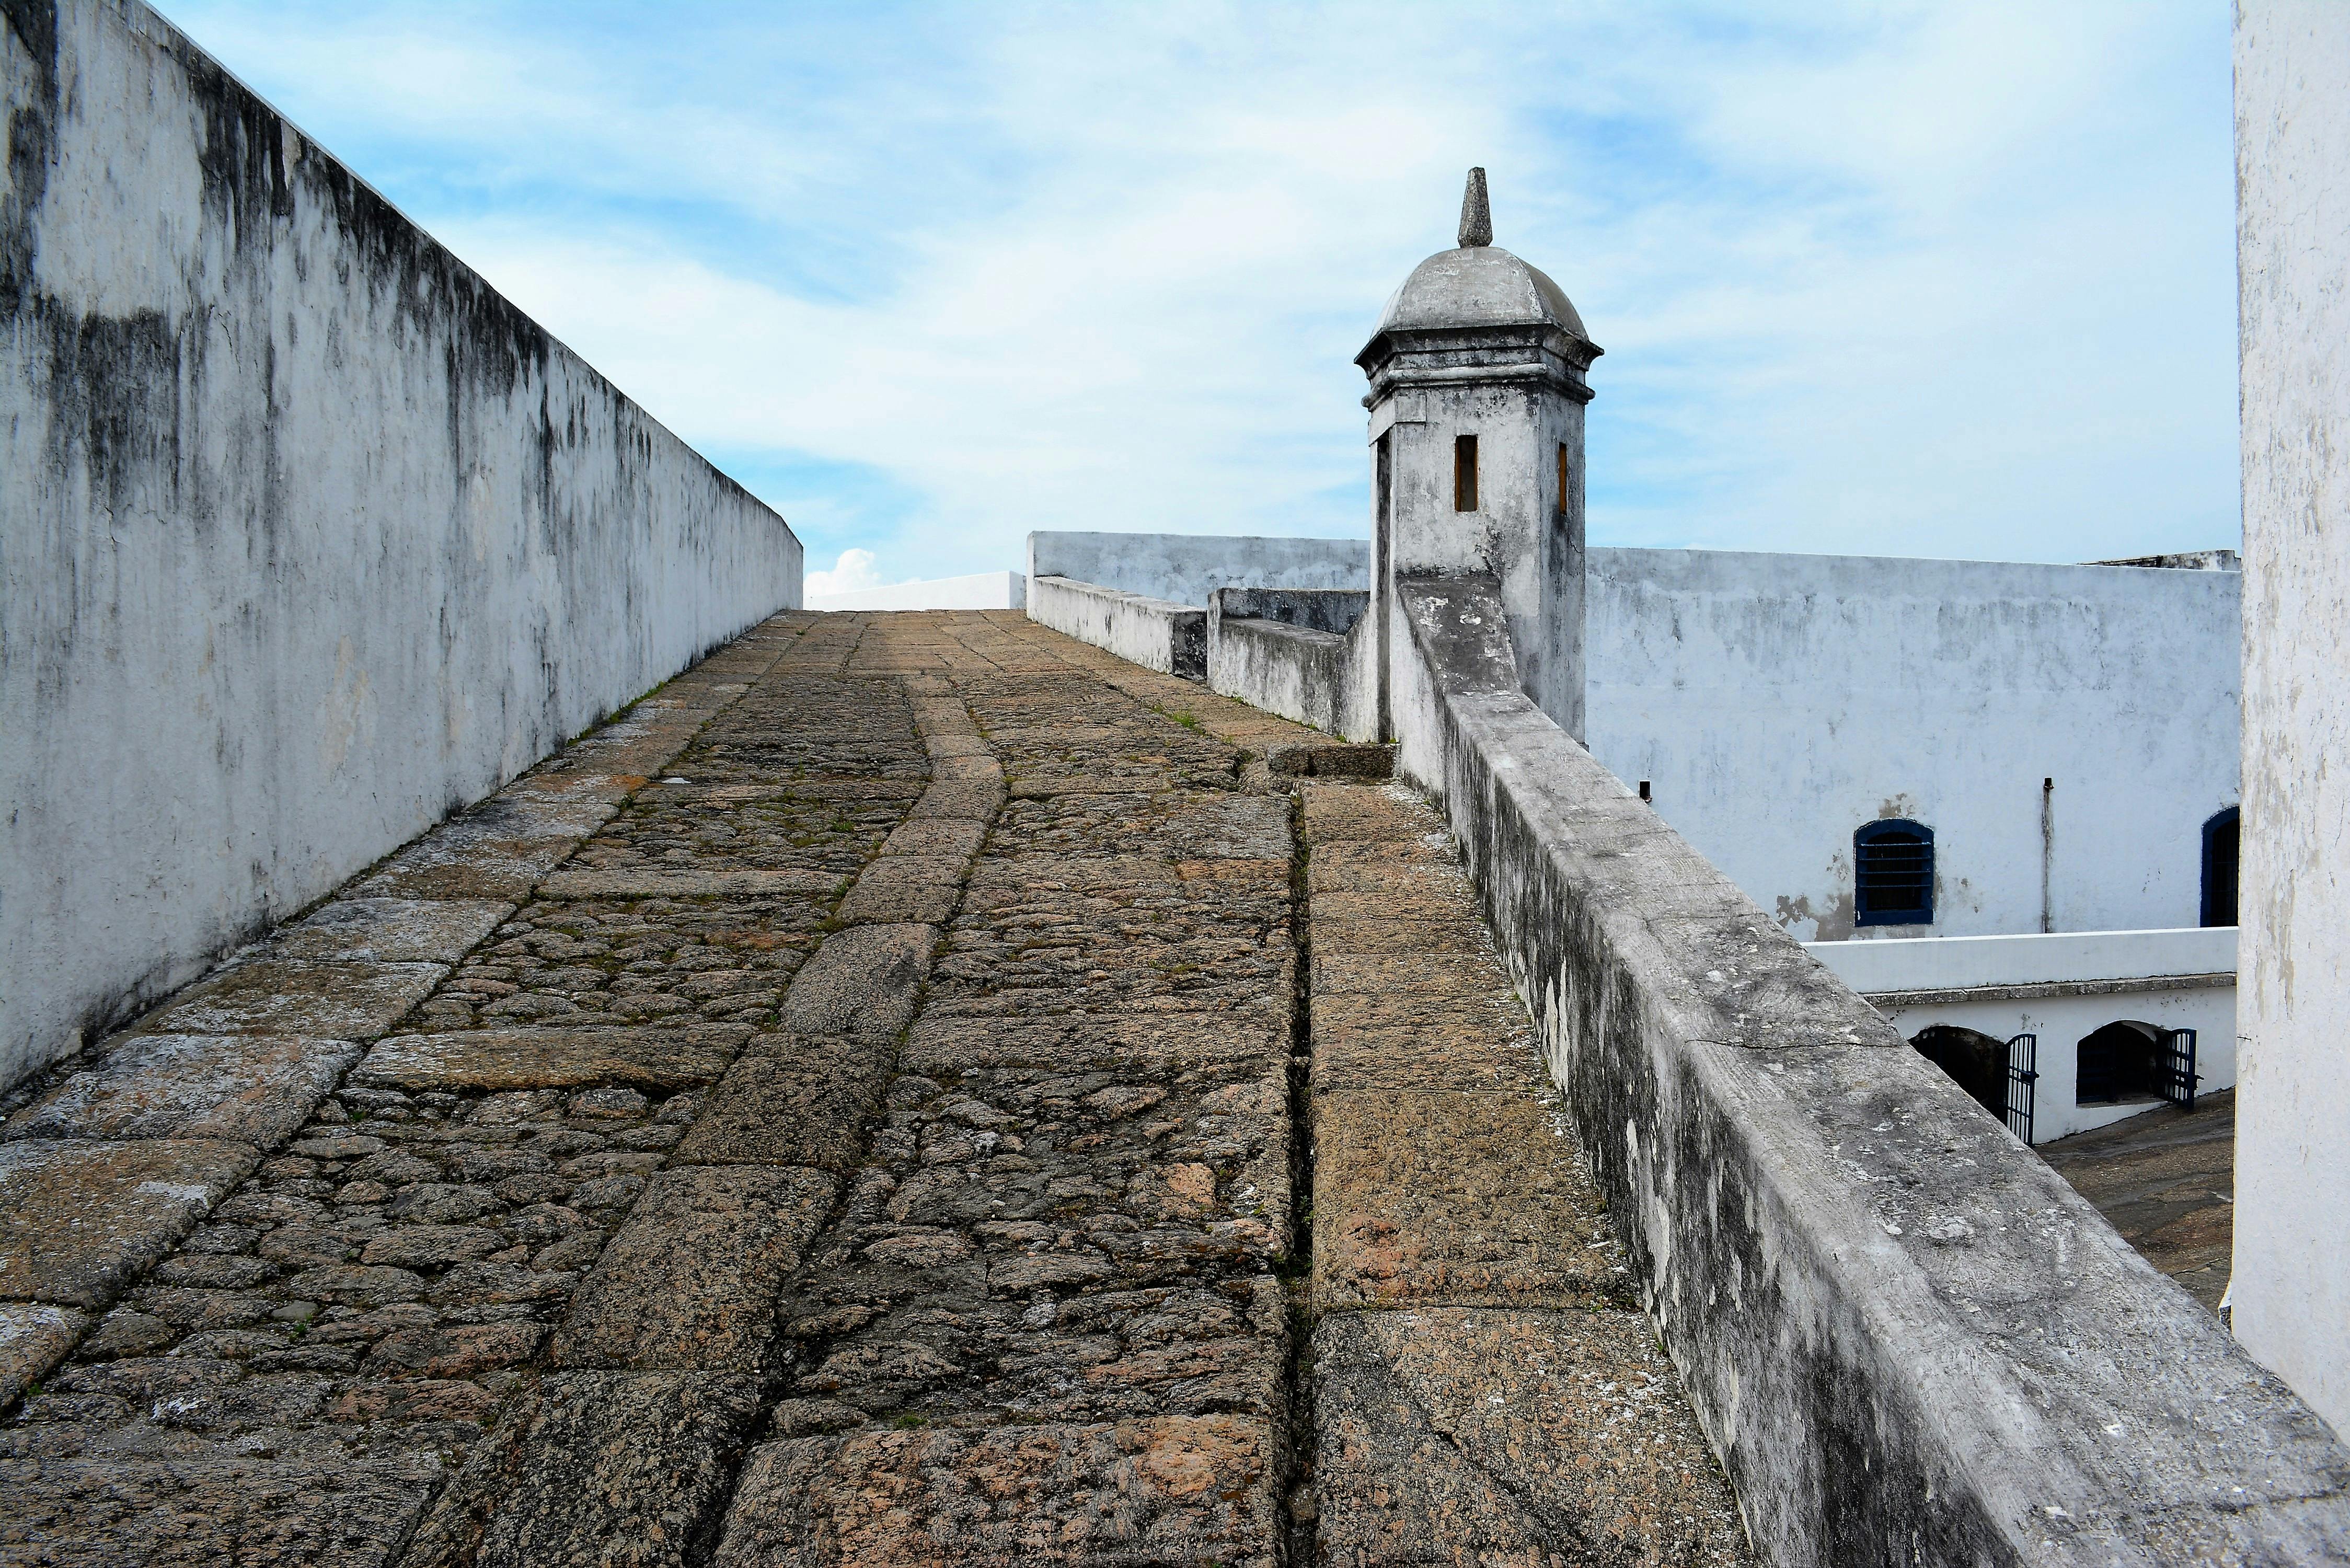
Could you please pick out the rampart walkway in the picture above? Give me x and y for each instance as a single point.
(909, 1092)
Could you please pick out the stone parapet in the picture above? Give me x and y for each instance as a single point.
(1300, 654)
(1908, 1339)
(1157, 634)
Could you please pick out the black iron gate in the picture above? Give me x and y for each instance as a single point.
(2023, 1082)
(2176, 1077)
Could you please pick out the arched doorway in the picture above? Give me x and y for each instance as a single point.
(2120, 1063)
(2220, 837)
(1975, 1062)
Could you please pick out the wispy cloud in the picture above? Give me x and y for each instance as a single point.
(1916, 279)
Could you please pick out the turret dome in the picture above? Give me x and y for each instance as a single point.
(1478, 285)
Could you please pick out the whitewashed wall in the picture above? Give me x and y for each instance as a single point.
(310, 538)
(1777, 702)
(1185, 568)
(2291, 1288)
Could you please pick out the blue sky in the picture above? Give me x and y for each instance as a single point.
(1953, 279)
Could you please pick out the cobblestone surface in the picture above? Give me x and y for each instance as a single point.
(1485, 1389)
(853, 1107)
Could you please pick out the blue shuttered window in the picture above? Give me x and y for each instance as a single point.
(1893, 874)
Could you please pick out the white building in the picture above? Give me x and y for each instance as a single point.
(2063, 737)
(1941, 761)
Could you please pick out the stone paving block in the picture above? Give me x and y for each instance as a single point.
(1222, 826)
(33, 1337)
(945, 1042)
(660, 1060)
(79, 1220)
(1065, 1341)
(1451, 1014)
(254, 1088)
(1342, 813)
(390, 930)
(911, 905)
(913, 872)
(690, 1284)
(655, 884)
(297, 996)
(1178, 1490)
(497, 850)
(1437, 977)
(1060, 1244)
(792, 1099)
(213, 1510)
(593, 1470)
(863, 981)
(639, 751)
(1423, 901)
(1428, 1054)
(1013, 876)
(966, 768)
(1451, 1198)
(947, 837)
(1462, 934)
(607, 788)
(971, 800)
(1380, 867)
(1484, 1436)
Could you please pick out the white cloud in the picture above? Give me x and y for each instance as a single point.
(852, 572)
(1917, 280)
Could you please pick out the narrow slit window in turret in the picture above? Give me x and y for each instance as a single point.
(1464, 473)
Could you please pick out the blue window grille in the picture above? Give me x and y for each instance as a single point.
(1893, 874)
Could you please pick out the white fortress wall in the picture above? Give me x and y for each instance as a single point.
(2292, 1287)
(310, 538)
(1185, 568)
(1776, 703)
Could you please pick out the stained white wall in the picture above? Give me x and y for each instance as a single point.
(1777, 702)
(2291, 1288)
(308, 537)
(1185, 568)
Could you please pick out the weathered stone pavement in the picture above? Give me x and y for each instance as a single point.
(911, 1090)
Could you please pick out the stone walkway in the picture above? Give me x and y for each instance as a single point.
(914, 1090)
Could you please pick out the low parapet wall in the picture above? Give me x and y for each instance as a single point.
(1157, 634)
(1909, 1340)
(1295, 652)
(310, 538)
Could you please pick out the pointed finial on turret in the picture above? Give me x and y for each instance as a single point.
(1476, 217)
